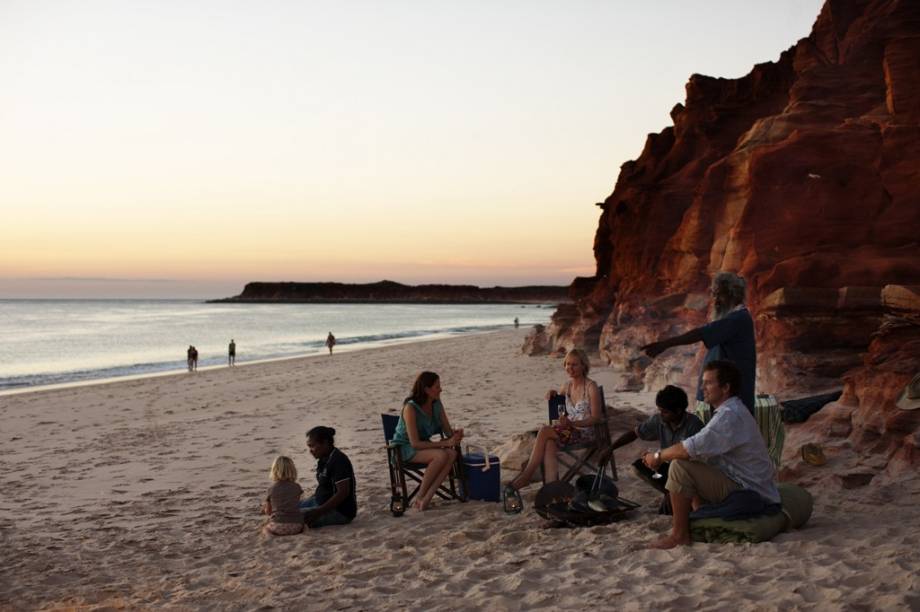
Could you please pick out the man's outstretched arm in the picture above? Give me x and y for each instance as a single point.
(656, 348)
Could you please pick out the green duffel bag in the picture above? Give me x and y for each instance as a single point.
(797, 508)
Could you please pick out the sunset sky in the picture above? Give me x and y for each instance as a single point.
(180, 149)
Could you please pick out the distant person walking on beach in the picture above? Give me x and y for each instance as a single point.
(188, 356)
(231, 353)
(194, 359)
(729, 336)
(330, 342)
(516, 323)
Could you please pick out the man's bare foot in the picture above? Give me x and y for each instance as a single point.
(669, 541)
(419, 505)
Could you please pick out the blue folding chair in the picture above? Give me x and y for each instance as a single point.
(402, 471)
(585, 457)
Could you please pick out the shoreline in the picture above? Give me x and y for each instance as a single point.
(344, 348)
(535, 303)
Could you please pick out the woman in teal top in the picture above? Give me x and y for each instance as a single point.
(422, 417)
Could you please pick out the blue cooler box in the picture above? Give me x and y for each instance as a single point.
(484, 485)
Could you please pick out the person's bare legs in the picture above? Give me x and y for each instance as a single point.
(547, 434)
(434, 459)
(551, 461)
(696, 503)
(425, 499)
(680, 524)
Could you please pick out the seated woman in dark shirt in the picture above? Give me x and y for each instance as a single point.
(334, 501)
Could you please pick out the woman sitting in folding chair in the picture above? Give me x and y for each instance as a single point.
(422, 417)
(582, 410)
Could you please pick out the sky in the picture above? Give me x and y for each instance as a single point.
(183, 148)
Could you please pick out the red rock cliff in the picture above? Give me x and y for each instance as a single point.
(803, 176)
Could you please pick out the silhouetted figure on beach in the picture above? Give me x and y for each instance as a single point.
(330, 342)
(231, 353)
(516, 323)
(188, 356)
(194, 359)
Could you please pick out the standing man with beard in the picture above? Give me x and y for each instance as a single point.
(728, 336)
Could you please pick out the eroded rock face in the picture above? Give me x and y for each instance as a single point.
(536, 342)
(864, 429)
(804, 177)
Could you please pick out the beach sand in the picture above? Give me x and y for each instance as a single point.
(145, 494)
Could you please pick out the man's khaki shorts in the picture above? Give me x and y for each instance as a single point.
(694, 478)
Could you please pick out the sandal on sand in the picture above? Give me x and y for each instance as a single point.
(813, 454)
(511, 500)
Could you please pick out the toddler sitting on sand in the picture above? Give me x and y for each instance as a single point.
(283, 499)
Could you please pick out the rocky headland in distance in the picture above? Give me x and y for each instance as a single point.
(395, 293)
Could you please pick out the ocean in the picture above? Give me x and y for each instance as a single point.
(64, 341)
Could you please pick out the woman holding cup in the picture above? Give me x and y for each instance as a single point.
(582, 411)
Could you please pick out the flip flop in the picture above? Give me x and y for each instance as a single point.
(511, 500)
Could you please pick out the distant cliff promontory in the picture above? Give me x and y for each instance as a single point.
(393, 292)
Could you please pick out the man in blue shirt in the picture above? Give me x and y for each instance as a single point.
(729, 336)
(728, 454)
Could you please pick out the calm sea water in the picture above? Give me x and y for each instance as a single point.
(57, 341)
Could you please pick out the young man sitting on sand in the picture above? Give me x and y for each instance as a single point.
(669, 426)
(731, 444)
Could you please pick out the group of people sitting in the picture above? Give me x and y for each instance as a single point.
(334, 502)
(696, 464)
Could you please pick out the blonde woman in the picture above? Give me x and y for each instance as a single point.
(281, 502)
(582, 411)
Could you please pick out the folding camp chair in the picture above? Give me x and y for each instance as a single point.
(402, 471)
(586, 457)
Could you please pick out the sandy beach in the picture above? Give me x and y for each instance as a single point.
(145, 494)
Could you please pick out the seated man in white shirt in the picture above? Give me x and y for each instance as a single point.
(728, 454)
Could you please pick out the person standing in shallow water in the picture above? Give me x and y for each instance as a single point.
(231, 353)
(517, 323)
(188, 357)
(194, 359)
(330, 342)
